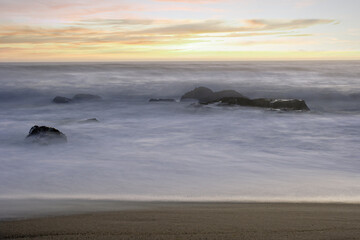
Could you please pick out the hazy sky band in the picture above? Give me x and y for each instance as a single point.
(78, 30)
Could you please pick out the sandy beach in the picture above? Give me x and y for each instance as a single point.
(166, 220)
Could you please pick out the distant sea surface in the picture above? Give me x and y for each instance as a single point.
(179, 151)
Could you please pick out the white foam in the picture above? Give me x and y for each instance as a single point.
(173, 151)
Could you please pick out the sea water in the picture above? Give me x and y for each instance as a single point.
(141, 150)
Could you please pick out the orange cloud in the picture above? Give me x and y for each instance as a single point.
(219, 26)
(100, 37)
(277, 42)
(257, 24)
(125, 31)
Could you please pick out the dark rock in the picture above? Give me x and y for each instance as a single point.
(227, 93)
(289, 104)
(203, 94)
(162, 100)
(90, 120)
(199, 93)
(282, 104)
(86, 97)
(242, 101)
(59, 99)
(45, 135)
(230, 97)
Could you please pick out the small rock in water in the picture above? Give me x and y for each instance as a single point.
(45, 135)
(289, 104)
(90, 120)
(204, 94)
(59, 99)
(199, 93)
(86, 97)
(282, 104)
(227, 93)
(162, 100)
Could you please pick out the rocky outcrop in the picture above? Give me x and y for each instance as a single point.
(59, 99)
(289, 104)
(162, 100)
(230, 97)
(45, 135)
(203, 94)
(282, 104)
(226, 93)
(199, 93)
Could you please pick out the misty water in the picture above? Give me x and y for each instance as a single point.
(179, 150)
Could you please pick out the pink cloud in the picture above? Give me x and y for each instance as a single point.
(137, 31)
(191, 1)
(38, 10)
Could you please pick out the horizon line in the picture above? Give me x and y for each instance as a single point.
(185, 60)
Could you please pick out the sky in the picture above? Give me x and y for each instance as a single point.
(176, 30)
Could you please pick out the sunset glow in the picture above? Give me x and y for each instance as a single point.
(174, 30)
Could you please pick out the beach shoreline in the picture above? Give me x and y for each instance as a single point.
(99, 219)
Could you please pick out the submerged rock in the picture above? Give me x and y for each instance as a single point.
(77, 98)
(86, 97)
(282, 104)
(90, 120)
(203, 94)
(45, 135)
(162, 100)
(59, 99)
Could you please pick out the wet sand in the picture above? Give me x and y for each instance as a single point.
(165, 220)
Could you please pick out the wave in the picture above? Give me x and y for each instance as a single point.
(175, 151)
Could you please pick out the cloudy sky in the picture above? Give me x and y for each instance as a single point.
(118, 30)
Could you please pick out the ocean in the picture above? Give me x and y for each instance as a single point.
(141, 150)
